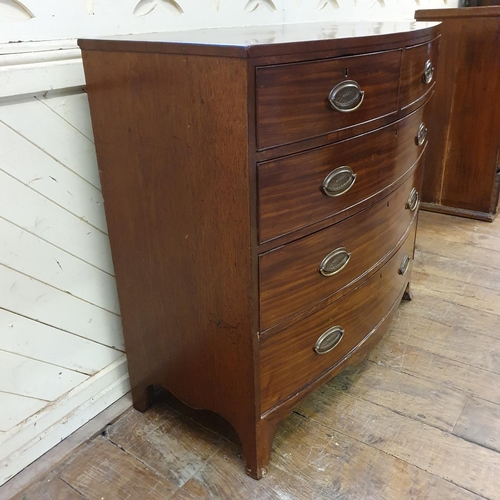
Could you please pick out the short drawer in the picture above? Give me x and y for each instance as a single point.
(290, 360)
(293, 100)
(301, 189)
(418, 73)
(303, 273)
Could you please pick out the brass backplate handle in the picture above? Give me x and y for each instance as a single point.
(334, 262)
(346, 96)
(339, 181)
(421, 134)
(412, 202)
(329, 340)
(428, 72)
(405, 265)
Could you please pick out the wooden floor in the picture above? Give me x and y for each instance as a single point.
(420, 419)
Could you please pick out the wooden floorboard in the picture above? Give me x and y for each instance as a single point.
(479, 423)
(419, 419)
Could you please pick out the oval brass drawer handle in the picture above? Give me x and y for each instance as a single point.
(421, 134)
(334, 262)
(346, 96)
(412, 202)
(339, 181)
(329, 340)
(405, 264)
(428, 72)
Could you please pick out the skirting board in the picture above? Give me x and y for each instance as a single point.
(44, 68)
(65, 448)
(460, 212)
(42, 431)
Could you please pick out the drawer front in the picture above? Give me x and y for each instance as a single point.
(418, 72)
(288, 359)
(293, 99)
(299, 190)
(290, 277)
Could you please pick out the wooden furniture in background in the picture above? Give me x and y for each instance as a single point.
(483, 3)
(463, 163)
(261, 191)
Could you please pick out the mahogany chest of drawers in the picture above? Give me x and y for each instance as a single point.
(261, 192)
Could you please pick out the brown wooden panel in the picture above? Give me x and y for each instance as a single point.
(474, 134)
(292, 99)
(308, 41)
(289, 277)
(288, 359)
(463, 154)
(472, 12)
(413, 88)
(290, 189)
(178, 209)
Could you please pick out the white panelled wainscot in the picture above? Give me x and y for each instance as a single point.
(62, 357)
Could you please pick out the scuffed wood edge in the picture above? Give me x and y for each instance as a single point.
(460, 212)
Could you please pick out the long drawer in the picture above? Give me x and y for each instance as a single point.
(301, 274)
(299, 190)
(293, 99)
(298, 355)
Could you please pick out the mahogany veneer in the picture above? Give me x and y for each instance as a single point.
(261, 238)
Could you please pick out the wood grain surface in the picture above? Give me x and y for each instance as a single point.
(292, 270)
(384, 429)
(173, 240)
(478, 423)
(413, 89)
(290, 188)
(465, 144)
(288, 359)
(292, 100)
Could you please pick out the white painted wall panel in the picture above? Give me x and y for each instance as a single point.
(49, 383)
(38, 215)
(28, 297)
(42, 126)
(21, 79)
(35, 257)
(25, 337)
(39, 171)
(33, 437)
(74, 108)
(15, 408)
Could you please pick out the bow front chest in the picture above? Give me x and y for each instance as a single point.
(261, 190)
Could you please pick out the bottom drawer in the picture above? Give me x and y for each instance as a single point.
(293, 358)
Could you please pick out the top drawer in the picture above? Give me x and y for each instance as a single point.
(418, 73)
(293, 99)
